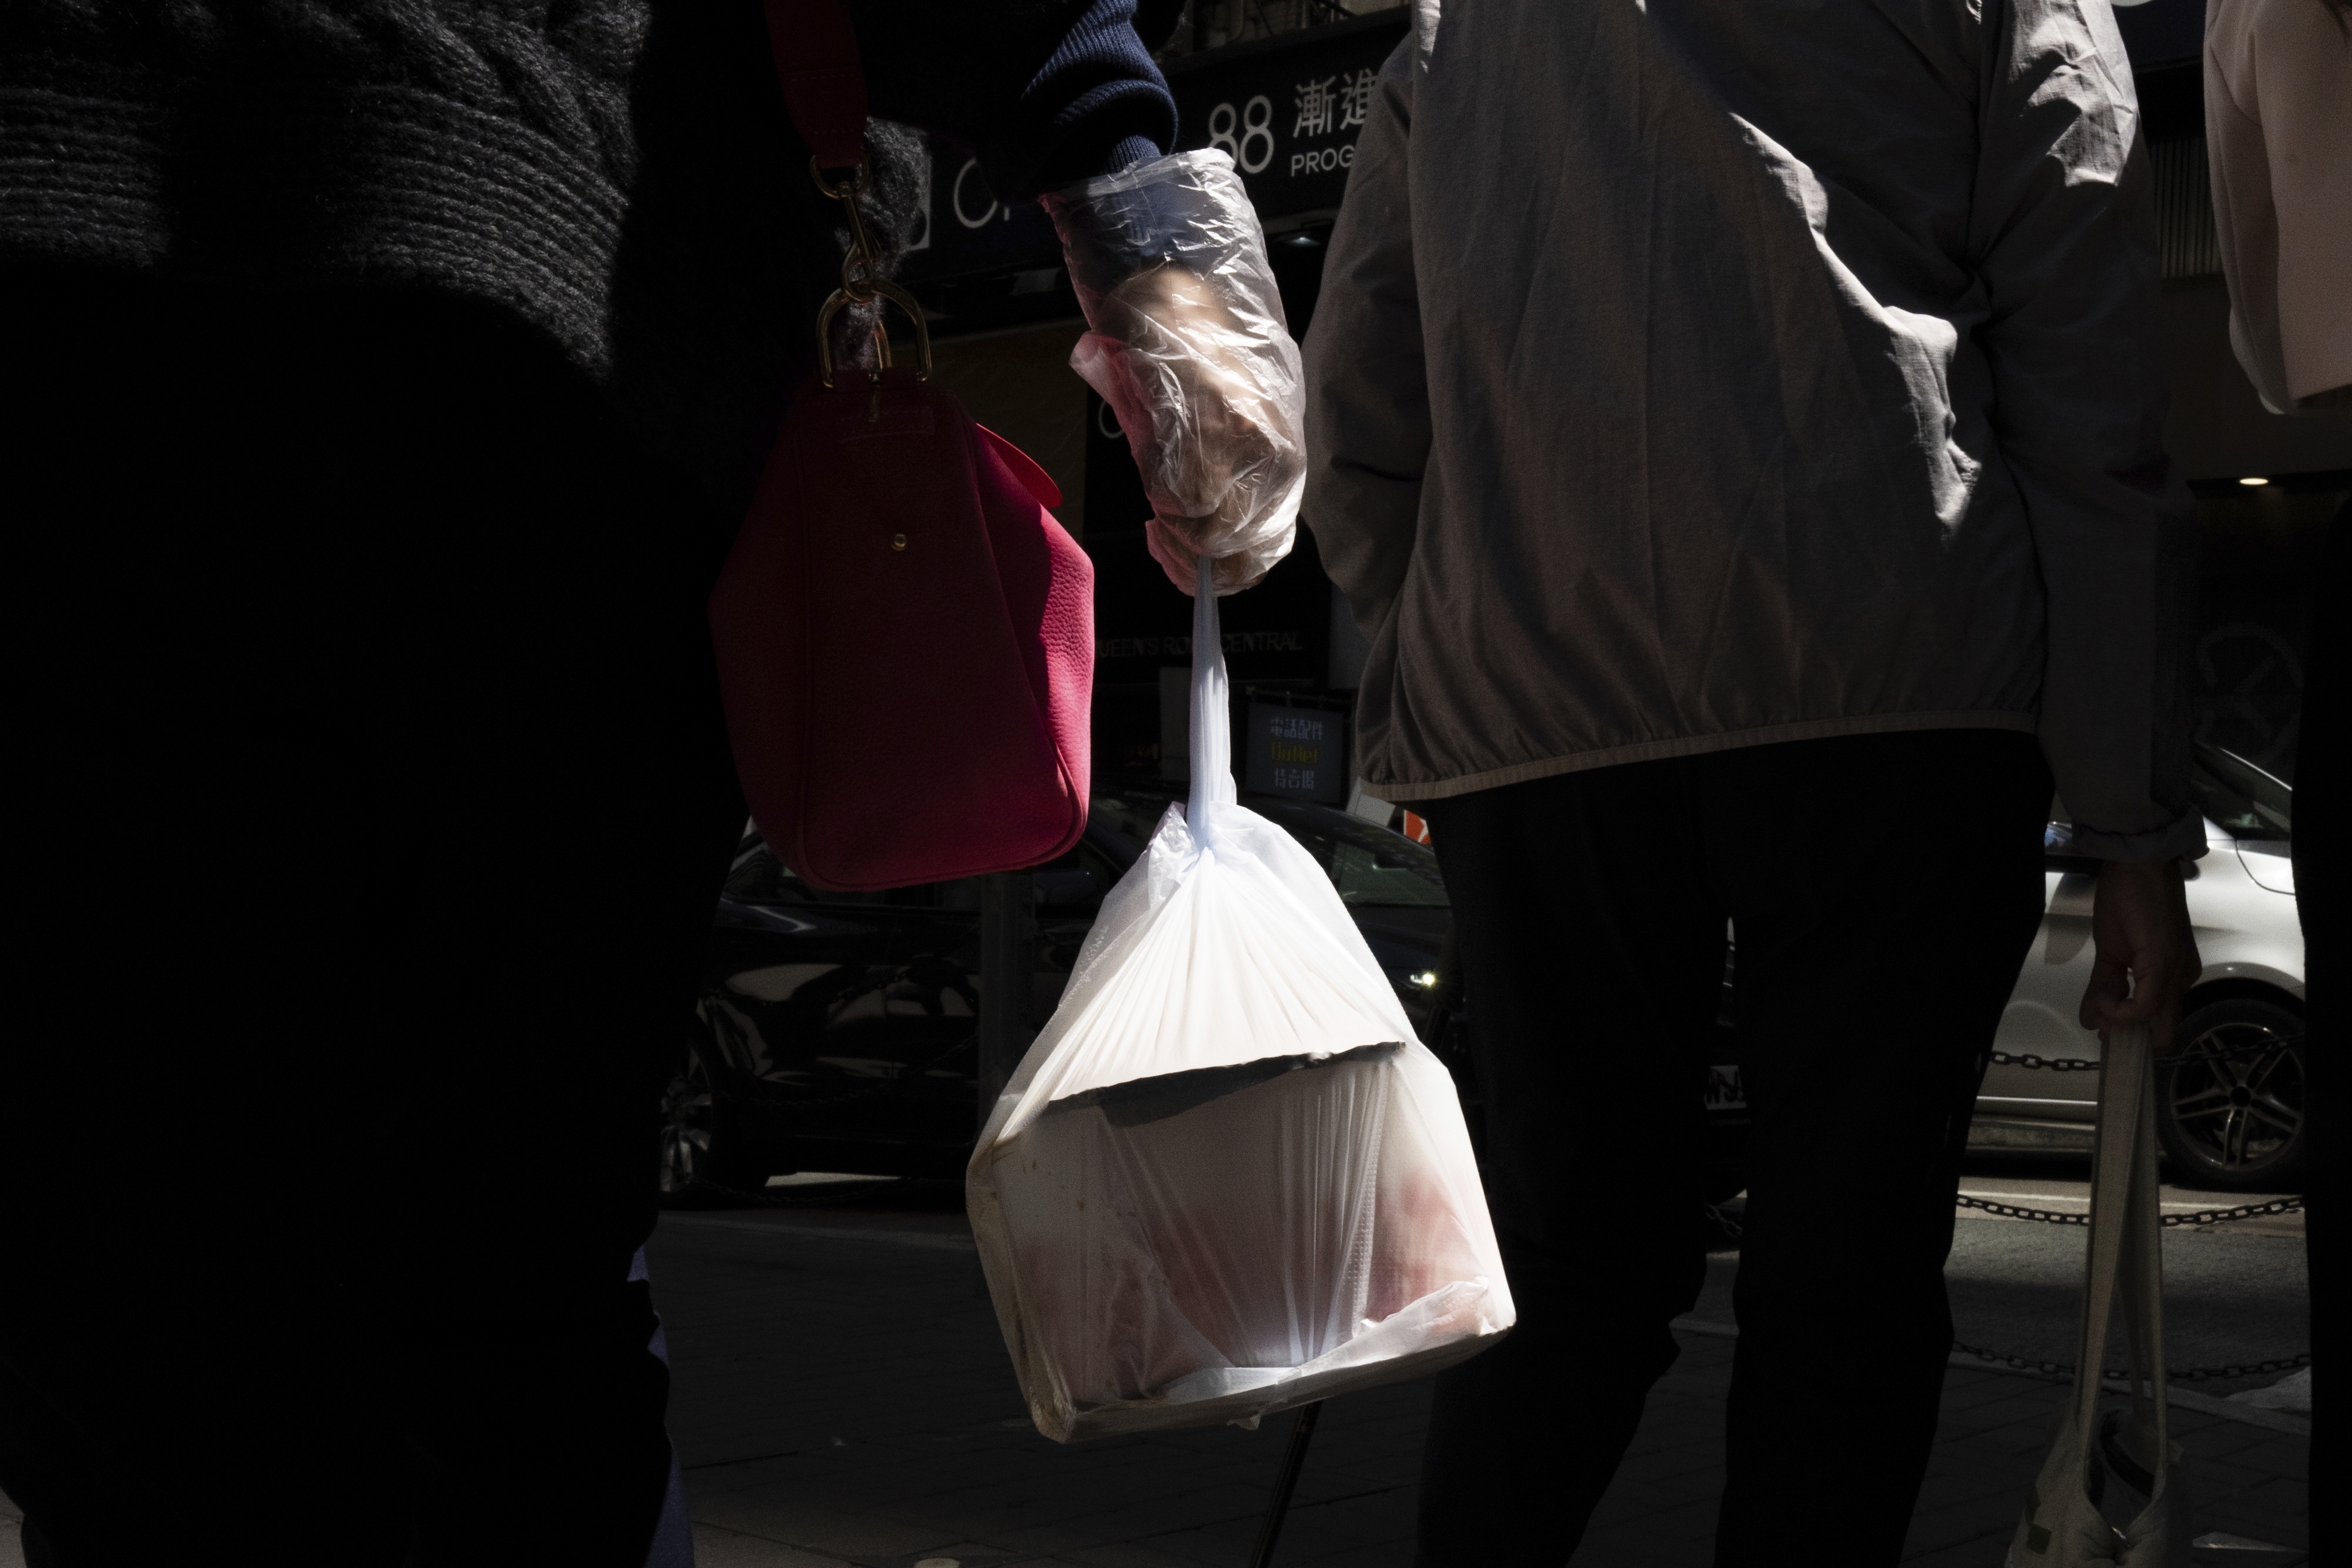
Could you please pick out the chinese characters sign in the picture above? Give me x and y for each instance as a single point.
(1298, 752)
(1334, 104)
(1288, 111)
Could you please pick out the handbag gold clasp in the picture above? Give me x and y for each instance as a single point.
(860, 283)
(881, 289)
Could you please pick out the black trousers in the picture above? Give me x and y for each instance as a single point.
(1884, 890)
(367, 795)
(2323, 881)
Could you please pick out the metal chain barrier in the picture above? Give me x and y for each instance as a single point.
(2243, 1211)
(2202, 1216)
(2048, 1064)
(2082, 1063)
(2187, 1374)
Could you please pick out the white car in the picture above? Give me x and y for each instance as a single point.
(2230, 1107)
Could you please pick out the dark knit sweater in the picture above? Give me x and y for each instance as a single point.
(619, 175)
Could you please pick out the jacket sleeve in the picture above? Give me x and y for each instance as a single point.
(1368, 416)
(2302, 70)
(1044, 92)
(2063, 231)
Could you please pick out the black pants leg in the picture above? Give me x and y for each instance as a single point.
(368, 797)
(2323, 880)
(1885, 890)
(1592, 950)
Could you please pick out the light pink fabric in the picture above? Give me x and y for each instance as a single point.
(2278, 124)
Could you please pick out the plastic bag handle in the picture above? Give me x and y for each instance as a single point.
(1213, 736)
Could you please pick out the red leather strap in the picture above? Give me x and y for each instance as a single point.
(824, 87)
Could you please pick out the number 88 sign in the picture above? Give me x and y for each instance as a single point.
(1287, 110)
(1252, 150)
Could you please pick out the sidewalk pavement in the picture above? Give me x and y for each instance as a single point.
(842, 1397)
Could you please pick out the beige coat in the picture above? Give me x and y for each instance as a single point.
(1735, 371)
(2278, 123)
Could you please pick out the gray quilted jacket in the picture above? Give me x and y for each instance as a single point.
(1718, 372)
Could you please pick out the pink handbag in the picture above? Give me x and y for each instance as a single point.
(905, 634)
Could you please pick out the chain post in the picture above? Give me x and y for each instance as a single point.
(1286, 1481)
(1007, 924)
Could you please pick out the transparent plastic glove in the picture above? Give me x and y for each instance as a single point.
(1189, 349)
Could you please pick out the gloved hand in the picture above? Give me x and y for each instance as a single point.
(1189, 349)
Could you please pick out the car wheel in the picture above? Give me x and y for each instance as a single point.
(2229, 1106)
(699, 1163)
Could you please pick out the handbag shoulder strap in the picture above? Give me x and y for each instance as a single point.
(815, 52)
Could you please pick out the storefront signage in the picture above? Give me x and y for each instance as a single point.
(1287, 110)
(966, 230)
(1296, 752)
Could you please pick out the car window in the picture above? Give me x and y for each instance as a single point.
(1368, 864)
(757, 876)
(1134, 818)
(2058, 852)
(2245, 801)
(1098, 865)
(1099, 876)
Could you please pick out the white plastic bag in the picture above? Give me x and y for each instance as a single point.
(2109, 1458)
(1227, 1179)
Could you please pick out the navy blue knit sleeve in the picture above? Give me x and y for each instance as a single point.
(1043, 92)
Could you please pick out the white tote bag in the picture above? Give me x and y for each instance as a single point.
(2125, 1461)
(1227, 1179)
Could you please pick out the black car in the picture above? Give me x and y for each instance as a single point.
(838, 1031)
